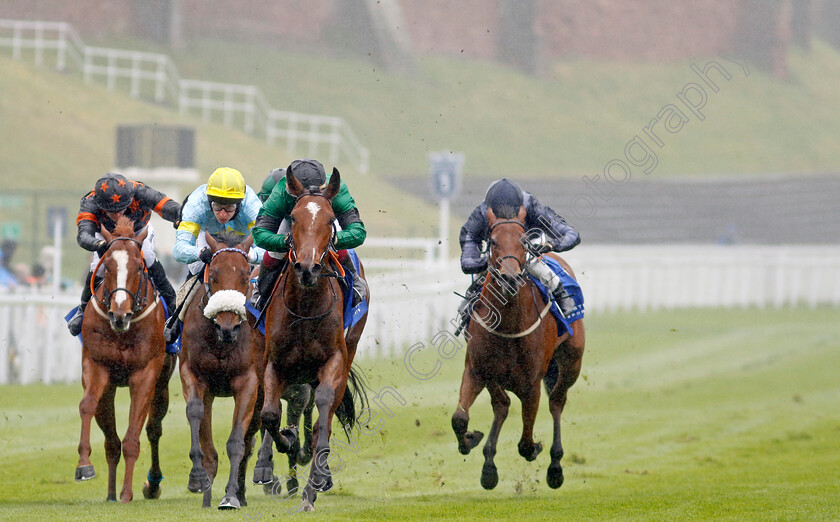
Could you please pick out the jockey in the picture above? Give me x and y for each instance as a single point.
(546, 232)
(273, 228)
(225, 205)
(114, 196)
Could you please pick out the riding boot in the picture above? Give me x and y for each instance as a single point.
(564, 300)
(265, 282)
(75, 322)
(465, 308)
(359, 285)
(164, 288)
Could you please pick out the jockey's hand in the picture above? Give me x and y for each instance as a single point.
(101, 248)
(253, 257)
(206, 255)
(287, 243)
(176, 224)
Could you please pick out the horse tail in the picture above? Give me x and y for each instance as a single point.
(355, 394)
(551, 375)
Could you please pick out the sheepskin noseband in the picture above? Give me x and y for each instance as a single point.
(225, 301)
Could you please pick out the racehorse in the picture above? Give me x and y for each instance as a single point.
(123, 345)
(220, 358)
(514, 350)
(305, 338)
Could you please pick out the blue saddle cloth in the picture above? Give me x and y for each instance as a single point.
(170, 348)
(572, 287)
(351, 315)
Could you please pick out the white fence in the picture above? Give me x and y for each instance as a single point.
(412, 306)
(154, 76)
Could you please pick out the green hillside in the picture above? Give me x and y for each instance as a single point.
(572, 121)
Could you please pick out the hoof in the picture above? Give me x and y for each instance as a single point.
(489, 476)
(229, 503)
(308, 507)
(292, 486)
(554, 477)
(84, 473)
(199, 481)
(287, 438)
(150, 492)
(274, 487)
(472, 438)
(530, 456)
(264, 475)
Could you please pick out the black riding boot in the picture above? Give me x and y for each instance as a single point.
(265, 283)
(465, 308)
(164, 288)
(359, 286)
(75, 322)
(564, 300)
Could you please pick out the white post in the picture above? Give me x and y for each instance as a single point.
(444, 232)
(57, 229)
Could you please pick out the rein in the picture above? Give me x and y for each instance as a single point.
(138, 301)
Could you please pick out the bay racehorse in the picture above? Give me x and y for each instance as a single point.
(123, 345)
(511, 347)
(221, 358)
(305, 337)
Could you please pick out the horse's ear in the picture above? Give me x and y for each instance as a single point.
(334, 185)
(246, 245)
(520, 216)
(143, 234)
(294, 186)
(491, 216)
(211, 241)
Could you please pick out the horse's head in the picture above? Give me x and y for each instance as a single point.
(312, 226)
(507, 252)
(125, 274)
(227, 280)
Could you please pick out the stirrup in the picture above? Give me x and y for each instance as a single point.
(75, 322)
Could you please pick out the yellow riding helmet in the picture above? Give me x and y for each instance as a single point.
(226, 183)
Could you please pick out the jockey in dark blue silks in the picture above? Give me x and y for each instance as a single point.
(547, 232)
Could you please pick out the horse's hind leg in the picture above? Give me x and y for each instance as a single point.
(501, 403)
(298, 400)
(470, 388)
(306, 448)
(95, 379)
(154, 427)
(568, 357)
(210, 462)
(107, 423)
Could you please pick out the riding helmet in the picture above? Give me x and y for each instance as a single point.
(113, 193)
(504, 197)
(309, 172)
(226, 186)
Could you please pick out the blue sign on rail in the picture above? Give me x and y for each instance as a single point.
(447, 169)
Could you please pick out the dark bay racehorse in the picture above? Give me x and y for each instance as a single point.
(123, 345)
(305, 338)
(511, 347)
(220, 358)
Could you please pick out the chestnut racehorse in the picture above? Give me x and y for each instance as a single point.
(512, 351)
(305, 338)
(220, 358)
(123, 345)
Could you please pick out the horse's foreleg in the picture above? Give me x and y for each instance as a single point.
(470, 388)
(306, 448)
(530, 405)
(154, 427)
(250, 434)
(298, 397)
(272, 410)
(141, 387)
(194, 391)
(569, 356)
(95, 379)
(210, 462)
(501, 403)
(107, 423)
(332, 384)
(244, 396)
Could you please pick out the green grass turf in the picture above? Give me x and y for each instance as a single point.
(689, 415)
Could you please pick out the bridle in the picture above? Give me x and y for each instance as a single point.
(500, 260)
(208, 291)
(326, 270)
(139, 298)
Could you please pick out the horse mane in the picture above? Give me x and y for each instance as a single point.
(124, 228)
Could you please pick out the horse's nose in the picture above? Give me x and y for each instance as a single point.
(228, 335)
(307, 273)
(120, 321)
